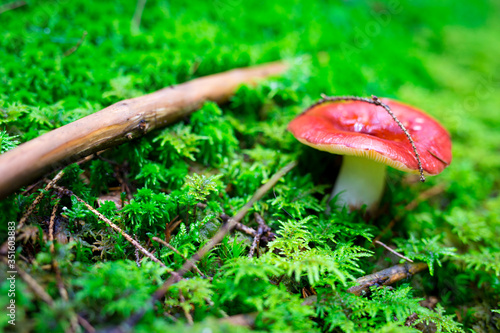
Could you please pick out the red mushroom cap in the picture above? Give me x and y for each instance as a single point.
(366, 130)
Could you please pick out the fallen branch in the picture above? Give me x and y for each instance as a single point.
(383, 278)
(74, 48)
(161, 241)
(12, 5)
(386, 277)
(120, 122)
(136, 20)
(188, 265)
(261, 230)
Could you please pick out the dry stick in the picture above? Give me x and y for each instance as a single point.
(255, 242)
(225, 228)
(263, 228)
(136, 20)
(85, 324)
(247, 319)
(376, 101)
(387, 276)
(186, 312)
(12, 5)
(119, 123)
(161, 241)
(39, 198)
(112, 225)
(384, 277)
(136, 252)
(74, 48)
(51, 226)
(391, 250)
(246, 229)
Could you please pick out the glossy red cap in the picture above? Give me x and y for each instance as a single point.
(366, 130)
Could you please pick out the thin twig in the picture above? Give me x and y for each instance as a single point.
(112, 225)
(136, 20)
(85, 324)
(136, 252)
(255, 242)
(161, 241)
(12, 5)
(387, 276)
(39, 198)
(170, 227)
(246, 229)
(375, 101)
(51, 225)
(382, 278)
(75, 47)
(263, 228)
(391, 250)
(225, 228)
(246, 320)
(186, 312)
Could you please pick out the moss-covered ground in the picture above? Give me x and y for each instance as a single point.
(442, 56)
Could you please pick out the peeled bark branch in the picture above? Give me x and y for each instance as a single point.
(119, 123)
(386, 277)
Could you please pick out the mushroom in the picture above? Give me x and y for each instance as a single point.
(370, 138)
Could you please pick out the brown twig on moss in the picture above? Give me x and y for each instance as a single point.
(75, 47)
(246, 320)
(255, 242)
(112, 225)
(217, 238)
(386, 277)
(261, 230)
(119, 123)
(51, 224)
(382, 278)
(12, 5)
(392, 251)
(266, 236)
(136, 20)
(245, 229)
(161, 241)
(136, 253)
(186, 312)
(170, 227)
(39, 198)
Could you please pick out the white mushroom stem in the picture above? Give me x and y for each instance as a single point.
(360, 182)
